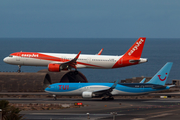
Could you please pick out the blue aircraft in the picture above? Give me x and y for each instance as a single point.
(107, 90)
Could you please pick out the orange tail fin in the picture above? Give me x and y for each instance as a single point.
(136, 49)
(133, 55)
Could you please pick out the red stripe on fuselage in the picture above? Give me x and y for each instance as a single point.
(41, 56)
(124, 61)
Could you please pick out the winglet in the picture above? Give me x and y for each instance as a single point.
(143, 80)
(100, 52)
(78, 55)
(72, 62)
(114, 85)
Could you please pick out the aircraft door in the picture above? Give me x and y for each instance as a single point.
(57, 88)
(63, 59)
(89, 60)
(18, 58)
(142, 88)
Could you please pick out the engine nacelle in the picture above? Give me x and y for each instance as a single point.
(87, 94)
(52, 67)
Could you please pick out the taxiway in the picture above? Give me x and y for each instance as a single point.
(126, 109)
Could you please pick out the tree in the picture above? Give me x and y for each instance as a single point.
(10, 112)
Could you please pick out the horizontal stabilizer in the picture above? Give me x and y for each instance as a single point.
(134, 61)
(171, 85)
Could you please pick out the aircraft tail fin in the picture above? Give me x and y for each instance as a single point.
(136, 49)
(161, 76)
(133, 55)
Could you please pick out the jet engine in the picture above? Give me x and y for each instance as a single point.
(52, 67)
(87, 94)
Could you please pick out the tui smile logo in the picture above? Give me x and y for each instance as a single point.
(161, 78)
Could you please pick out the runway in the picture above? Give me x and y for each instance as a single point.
(126, 109)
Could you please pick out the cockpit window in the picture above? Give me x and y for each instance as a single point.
(10, 56)
(49, 86)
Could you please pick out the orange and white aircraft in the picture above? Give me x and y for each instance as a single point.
(59, 61)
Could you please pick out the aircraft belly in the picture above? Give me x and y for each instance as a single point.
(99, 65)
(35, 62)
(129, 92)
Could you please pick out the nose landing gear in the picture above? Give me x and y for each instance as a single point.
(54, 97)
(19, 70)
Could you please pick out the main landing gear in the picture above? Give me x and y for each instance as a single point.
(109, 98)
(19, 70)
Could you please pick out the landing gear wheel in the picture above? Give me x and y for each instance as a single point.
(54, 97)
(104, 99)
(111, 98)
(19, 70)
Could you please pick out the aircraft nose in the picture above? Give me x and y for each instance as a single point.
(47, 89)
(5, 59)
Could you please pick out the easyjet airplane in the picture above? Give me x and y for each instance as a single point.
(59, 61)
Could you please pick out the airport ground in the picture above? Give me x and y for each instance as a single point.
(127, 108)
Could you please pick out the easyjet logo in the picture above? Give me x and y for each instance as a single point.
(29, 55)
(136, 47)
(63, 87)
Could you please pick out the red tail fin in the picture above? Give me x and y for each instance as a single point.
(136, 49)
(132, 56)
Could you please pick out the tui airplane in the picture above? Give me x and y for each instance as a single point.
(108, 90)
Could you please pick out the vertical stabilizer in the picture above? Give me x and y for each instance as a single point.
(133, 55)
(161, 76)
(136, 49)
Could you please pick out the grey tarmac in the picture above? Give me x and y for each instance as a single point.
(126, 109)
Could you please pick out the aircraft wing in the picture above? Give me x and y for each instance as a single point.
(71, 63)
(106, 91)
